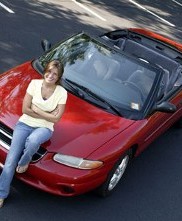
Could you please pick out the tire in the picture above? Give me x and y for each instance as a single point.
(114, 176)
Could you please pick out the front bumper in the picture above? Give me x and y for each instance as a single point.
(58, 179)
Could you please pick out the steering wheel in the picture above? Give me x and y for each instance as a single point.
(135, 87)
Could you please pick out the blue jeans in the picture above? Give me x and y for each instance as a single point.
(25, 143)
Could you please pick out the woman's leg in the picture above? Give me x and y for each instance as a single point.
(33, 142)
(20, 134)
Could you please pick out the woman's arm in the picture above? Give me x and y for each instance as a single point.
(26, 108)
(33, 111)
(53, 116)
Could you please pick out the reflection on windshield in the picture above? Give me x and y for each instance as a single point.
(120, 80)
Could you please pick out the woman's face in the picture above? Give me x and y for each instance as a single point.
(51, 76)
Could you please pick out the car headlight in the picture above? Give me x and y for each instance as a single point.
(77, 162)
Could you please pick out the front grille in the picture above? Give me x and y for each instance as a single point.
(6, 134)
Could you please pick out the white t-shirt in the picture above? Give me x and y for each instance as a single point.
(59, 96)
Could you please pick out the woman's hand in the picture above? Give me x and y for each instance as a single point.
(55, 111)
(35, 108)
(39, 111)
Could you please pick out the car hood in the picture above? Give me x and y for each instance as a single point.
(83, 127)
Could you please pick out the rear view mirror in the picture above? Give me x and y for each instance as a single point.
(46, 45)
(165, 107)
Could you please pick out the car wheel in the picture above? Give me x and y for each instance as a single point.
(114, 176)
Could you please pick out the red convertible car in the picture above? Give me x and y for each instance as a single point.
(124, 90)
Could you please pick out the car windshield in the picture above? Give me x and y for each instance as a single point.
(94, 70)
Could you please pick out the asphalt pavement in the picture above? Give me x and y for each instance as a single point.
(151, 190)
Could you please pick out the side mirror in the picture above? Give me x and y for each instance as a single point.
(166, 107)
(46, 45)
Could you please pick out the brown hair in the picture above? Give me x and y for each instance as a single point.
(55, 64)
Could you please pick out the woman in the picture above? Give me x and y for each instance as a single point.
(43, 105)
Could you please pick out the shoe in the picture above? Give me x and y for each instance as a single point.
(22, 169)
(1, 202)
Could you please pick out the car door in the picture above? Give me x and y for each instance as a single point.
(158, 122)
